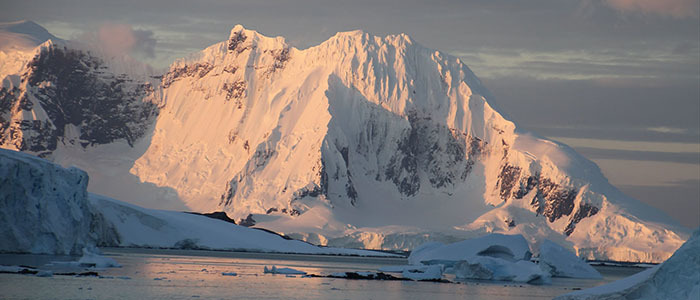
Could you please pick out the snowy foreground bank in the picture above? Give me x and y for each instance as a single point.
(676, 278)
(46, 209)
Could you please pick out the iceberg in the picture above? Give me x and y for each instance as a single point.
(507, 247)
(563, 263)
(491, 268)
(491, 257)
(44, 207)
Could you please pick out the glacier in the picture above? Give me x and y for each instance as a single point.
(356, 142)
(44, 208)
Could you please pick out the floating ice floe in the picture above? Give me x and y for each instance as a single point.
(432, 272)
(276, 270)
(563, 263)
(44, 273)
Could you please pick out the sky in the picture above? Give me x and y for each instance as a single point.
(618, 80)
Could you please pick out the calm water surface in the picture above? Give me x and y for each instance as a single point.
(195, 274)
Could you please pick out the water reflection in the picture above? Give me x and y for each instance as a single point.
(179, 274)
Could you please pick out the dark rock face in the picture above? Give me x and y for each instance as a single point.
(551, 199)
(231, 188)
(75, 88)
(235, 91)
(507, 180)
(281, 57)
(219, 215)
(446, 155)
(247, 222)
(584, 211)
(235, 40)
(195, 70)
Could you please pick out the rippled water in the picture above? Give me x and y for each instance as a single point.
(192, 274)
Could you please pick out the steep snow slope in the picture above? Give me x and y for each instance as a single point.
(339, 141)
(360, 141)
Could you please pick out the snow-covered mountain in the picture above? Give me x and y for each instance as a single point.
(45, 208)
(361, 141)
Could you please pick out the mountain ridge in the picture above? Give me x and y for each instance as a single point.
(352, 141)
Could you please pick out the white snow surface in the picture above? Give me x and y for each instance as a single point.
(141, 227)
(560, 262)
(43, 207)
(320, 144)
(506, 247)
(676, 278)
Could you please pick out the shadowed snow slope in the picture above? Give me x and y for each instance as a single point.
(44, 208)
(361, 141)
(677, 278)
(140, 227)
(562, 263)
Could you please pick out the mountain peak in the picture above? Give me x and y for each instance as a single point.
(241, 35)
(23, 34)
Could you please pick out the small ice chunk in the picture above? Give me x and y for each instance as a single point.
(44, 273)
(91, 258)
(339, 274)
(563, 263)
(432, 272)
(229, 274)
(276, 270)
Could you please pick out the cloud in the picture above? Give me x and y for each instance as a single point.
(121, 40)
(673, 8)
(664, 129)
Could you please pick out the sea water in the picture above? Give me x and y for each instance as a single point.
(198, 274)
